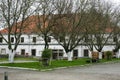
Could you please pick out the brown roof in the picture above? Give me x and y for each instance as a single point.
(30, 26)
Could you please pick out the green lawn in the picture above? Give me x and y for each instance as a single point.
(54, 64)
(20, 59)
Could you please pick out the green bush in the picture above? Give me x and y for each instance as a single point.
(46, 56)
(47, 53)
(108, 55)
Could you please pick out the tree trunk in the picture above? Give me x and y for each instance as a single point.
(69, 56)
(118, 54)
(90, 54)
(11, 56)
(100, 55)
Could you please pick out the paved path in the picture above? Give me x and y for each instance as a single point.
(94, 72)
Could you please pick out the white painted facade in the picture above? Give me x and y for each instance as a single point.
(30, 48)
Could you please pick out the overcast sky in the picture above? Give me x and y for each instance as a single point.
(115, 1)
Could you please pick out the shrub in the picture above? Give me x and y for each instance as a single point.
(46, 56)
(108, 55)
(47, 53)
(3, 55)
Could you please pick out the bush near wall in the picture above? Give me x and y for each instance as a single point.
(46, 56)
(108, 55)
(3, 55)
(95, 55)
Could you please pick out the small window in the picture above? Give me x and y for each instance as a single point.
(22, 39)
(33, 52)
(22, 51)
(114, 39)
(49, 39)
(34, 39)
(3, 51)
(86, 53)
(75, 53)
(61, 52)
(12, 39)
(1, 40)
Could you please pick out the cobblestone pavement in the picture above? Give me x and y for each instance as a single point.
(110, 71)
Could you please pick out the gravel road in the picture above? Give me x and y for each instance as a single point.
(109, 71)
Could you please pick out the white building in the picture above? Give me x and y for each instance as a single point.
(33, 45)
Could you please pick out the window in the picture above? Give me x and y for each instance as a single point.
(22, 51)
(34, 39)
(115, 39)
(33, 52)
(61, 53)
(49, 39)
(1, 40)
(3, 51)
(22, 39)
(75, 53)
(12, 39)
(57, 54)
(86, 53)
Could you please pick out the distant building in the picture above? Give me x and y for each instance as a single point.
(31, 44)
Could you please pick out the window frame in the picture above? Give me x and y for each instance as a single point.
(22, 40)
(1, 39)
(12, 39)
(34, 39)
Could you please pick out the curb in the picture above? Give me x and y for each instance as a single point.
(43, 70)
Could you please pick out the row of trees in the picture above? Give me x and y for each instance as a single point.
(68, 21)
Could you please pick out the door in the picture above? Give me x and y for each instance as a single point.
(22, 51)
(86, 53)
(54, 54)
(33, 52)
(75, 53)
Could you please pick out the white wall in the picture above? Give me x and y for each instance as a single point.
(28, 45)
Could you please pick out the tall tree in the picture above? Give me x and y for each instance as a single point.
(45, 19)
(12, 12)
(68, 30)
(99, 28)
(116, 31)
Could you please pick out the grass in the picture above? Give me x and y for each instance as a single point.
(3, 59)
(54, 64)
(20, 59)
(113, 59)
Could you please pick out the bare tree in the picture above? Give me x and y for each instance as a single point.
(68, 30)
(99, 27)
(116, 31)
(45, 19)
(14, 13)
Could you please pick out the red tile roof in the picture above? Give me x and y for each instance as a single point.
(29, 26)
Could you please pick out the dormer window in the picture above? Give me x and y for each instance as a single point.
(34, 39)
